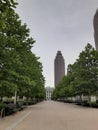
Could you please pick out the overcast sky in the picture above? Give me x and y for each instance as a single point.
(65, 25)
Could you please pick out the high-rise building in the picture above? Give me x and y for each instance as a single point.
(59, 68)
(95, 23)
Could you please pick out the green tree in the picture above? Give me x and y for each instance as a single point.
(20, 70)
(87, 71)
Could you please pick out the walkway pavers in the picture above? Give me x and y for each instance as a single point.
(50, 115)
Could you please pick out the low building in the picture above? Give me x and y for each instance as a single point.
(49, 91)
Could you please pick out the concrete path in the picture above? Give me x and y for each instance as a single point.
(50, 115)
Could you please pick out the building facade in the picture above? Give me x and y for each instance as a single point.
(95, 23)
(59, 68)
(49, 91)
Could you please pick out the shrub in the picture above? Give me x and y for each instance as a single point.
(2, 105)
(94, 104)
(29, 102)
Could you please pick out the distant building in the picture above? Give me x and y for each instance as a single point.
(59, 68)
(95, 23)
(49, 91)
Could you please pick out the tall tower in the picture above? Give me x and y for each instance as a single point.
(59, 68)
(95, 23)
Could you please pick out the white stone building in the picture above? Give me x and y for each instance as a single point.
(49, 91)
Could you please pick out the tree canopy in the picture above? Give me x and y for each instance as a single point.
(20, 68)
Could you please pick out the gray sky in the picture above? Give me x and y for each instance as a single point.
(65, 25)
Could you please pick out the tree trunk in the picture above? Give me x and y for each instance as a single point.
(15, 99)
(89, 97)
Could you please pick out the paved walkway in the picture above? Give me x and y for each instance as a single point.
(50, 115)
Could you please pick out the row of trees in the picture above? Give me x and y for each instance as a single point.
(81, 78)
(20, 69)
